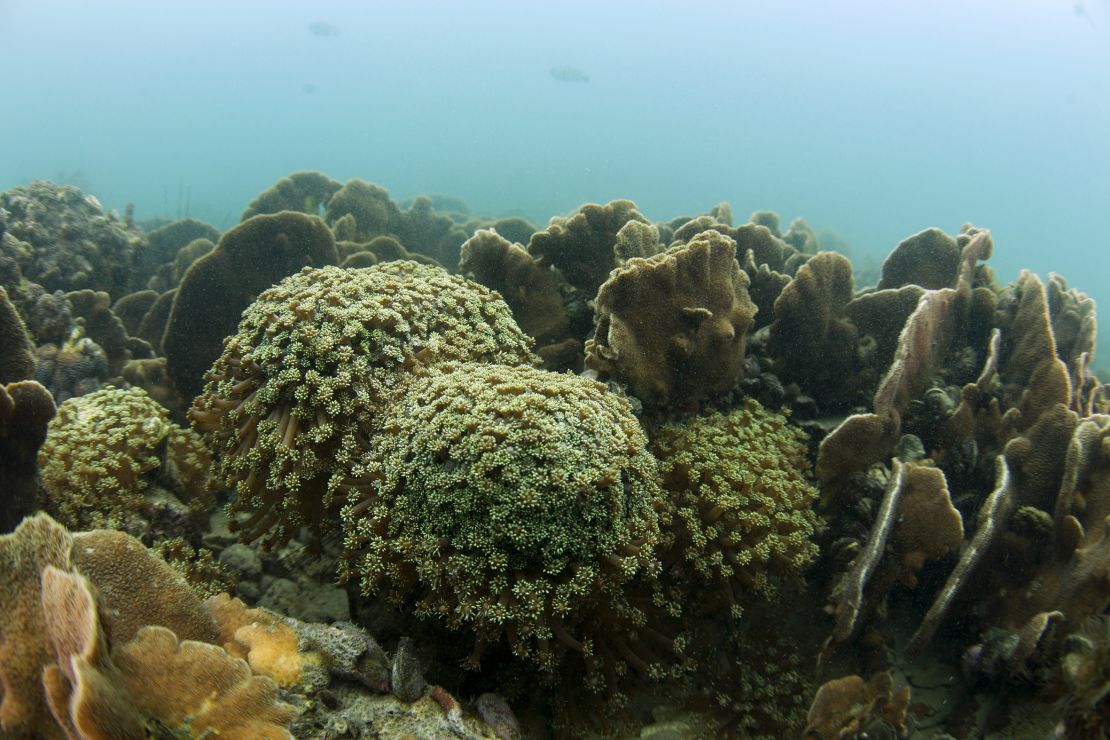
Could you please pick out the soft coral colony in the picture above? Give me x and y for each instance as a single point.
(684, 474)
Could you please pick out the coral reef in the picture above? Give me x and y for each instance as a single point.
(104, 451)
(297, 391)
(564, 557)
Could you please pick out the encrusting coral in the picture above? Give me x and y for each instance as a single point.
(738, 483)
(519, 504)
(104, 450)
(850, 707)
(296, 394)
(673, 326)
(84, 655)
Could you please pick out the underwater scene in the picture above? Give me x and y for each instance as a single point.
(554, 370)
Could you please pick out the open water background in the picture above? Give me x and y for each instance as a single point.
(870, 119)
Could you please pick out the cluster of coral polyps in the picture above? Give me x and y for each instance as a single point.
(520, 504)
(299, 388)
(104, 451)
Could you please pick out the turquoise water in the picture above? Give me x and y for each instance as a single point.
(872, 120)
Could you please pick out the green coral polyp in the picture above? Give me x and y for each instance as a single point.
(739, 484)
(515, 502)
(317, 357)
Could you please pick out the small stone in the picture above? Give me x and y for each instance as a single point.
(496, 713)
(407, 678)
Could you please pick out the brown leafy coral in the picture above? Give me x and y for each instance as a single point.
(531, 290)
(673, 326)
(217, 287)
(297, 392)
(26, 409)
(583, 245)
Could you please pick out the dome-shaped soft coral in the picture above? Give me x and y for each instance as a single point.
(297, 391)
(517, 502)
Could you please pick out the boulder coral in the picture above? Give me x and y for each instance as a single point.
(298, 390)
(103, 452)
(673, 326)
(61, 239)
(518, 504)
(739, 486)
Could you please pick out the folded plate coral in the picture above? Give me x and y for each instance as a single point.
(673, 326)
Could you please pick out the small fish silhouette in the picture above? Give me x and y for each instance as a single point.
(565, 73)
(322, 28)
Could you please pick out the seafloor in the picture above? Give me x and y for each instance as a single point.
(357, 468)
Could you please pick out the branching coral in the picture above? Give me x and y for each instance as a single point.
(739, 485)
(296, 394)
(519, 504)
(103, 451)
